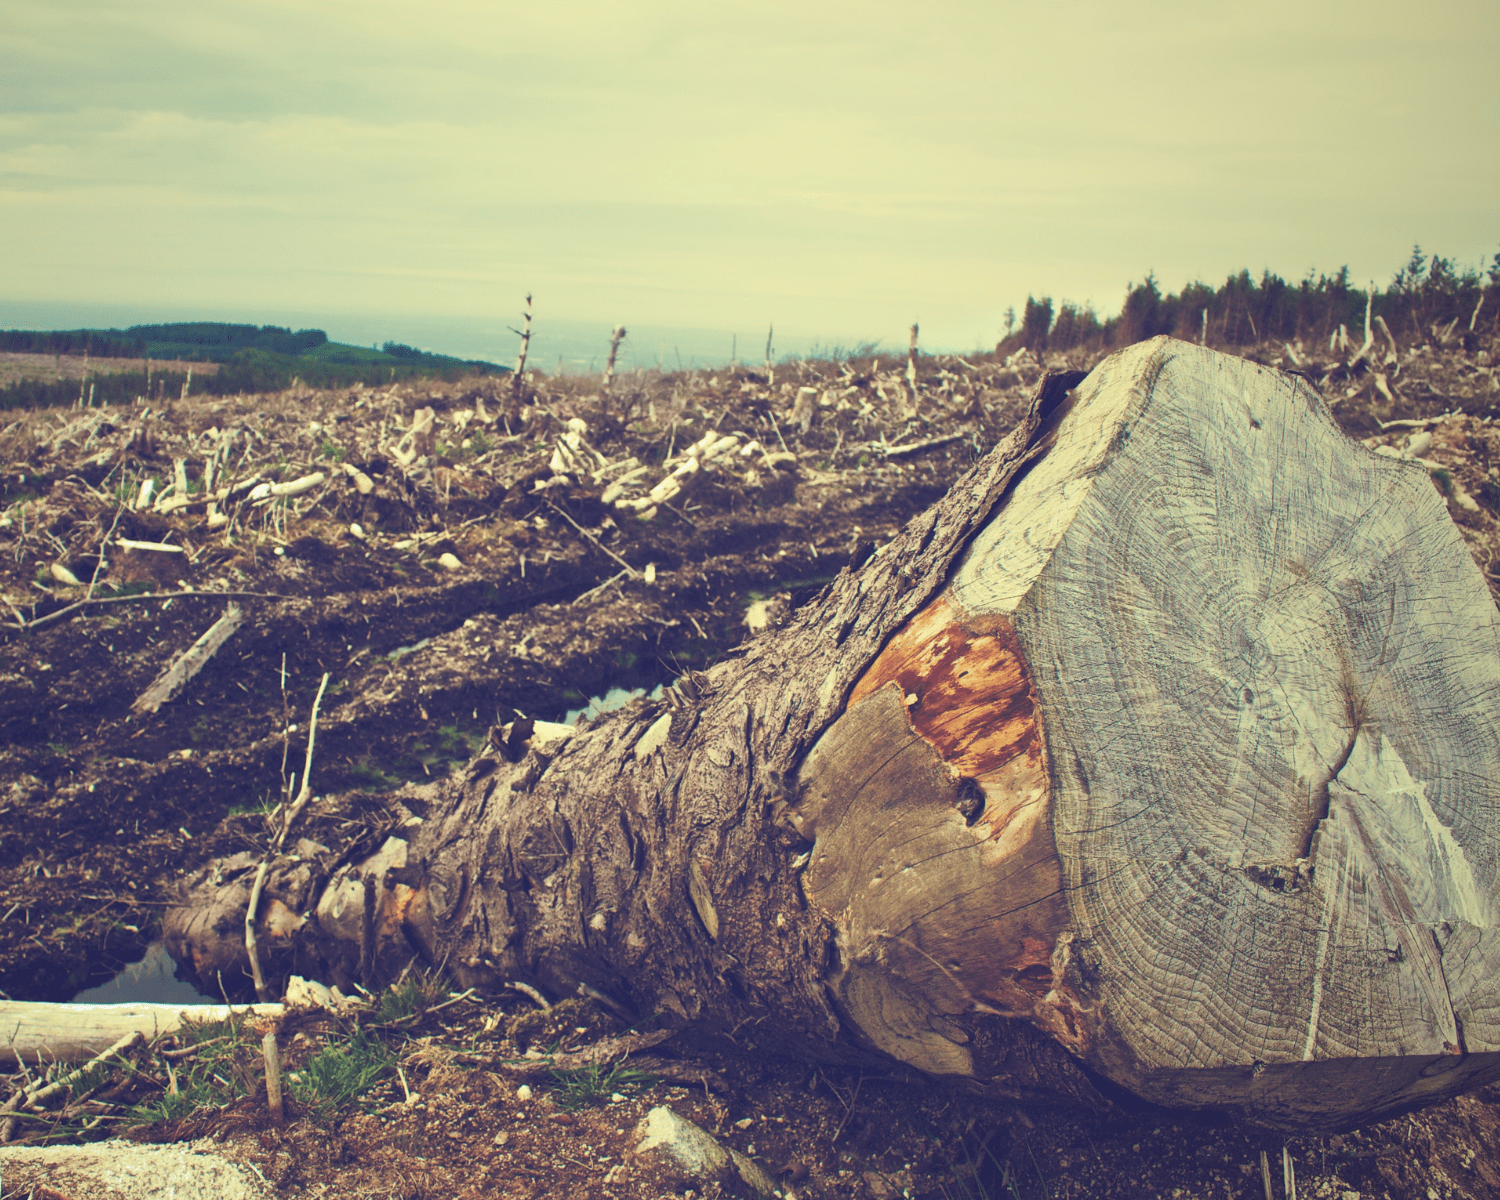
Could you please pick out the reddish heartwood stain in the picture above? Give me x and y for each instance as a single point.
(972, 686)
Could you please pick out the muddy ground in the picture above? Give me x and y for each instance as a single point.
(470, 552)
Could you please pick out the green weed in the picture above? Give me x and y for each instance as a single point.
(410, 996)
(575, 1089)
(226, 1068)
(340, 1073)
(367, 774)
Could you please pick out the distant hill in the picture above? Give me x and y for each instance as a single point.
(251, 358)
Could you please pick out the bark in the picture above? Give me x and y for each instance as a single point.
(1165, 744)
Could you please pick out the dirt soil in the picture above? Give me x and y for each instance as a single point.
(505, 553)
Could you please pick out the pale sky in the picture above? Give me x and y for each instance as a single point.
(841, 169)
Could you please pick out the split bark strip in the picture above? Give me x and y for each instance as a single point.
(288, 816)
(176, 676)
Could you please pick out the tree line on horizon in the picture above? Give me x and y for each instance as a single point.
(1423, 294)
(249, 358)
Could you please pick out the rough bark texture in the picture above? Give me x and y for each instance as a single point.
(1170, 733)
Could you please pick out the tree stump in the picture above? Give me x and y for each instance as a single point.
(1170, 737)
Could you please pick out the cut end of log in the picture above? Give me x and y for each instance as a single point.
(1194, 764)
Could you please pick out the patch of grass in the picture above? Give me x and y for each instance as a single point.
(414, 994)
(368, 775)
(575, 1089)
(261, 808)
(341, 1072)
(331, 450)
(226, 1068)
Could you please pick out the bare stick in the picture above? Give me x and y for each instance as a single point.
(262, 992)
(288, 815)
(194, 659)
(524, 333)
(1475, 315)
(99, 566)
(634, 574)
(911, 364)
(273, 1076)
(305, 795)
(770, 370)
(38, 622)
(914, 447)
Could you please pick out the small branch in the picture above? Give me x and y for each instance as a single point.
(262, 992)
(531, 994)
(915, 447)
(194, 659)
(49, 618)
(633, 573)
(99, 565)
(450, 1002)
(594, 591)
(305, 795)
(848, 1108)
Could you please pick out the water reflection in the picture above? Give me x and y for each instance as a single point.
(150, 981)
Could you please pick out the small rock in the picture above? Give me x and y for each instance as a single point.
(449, 561)
(357, 530)
(523, 1093)
(562, 1119)
(744, 1123)
(501, 1138)
(698, 1156)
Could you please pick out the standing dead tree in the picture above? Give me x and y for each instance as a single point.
(518, 378)
(616, 336)
(1167, 743)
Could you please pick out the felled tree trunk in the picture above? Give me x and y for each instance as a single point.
(1170, 737)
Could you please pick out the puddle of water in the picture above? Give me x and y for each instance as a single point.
(411, 649)
(614, 698)
(150, 981)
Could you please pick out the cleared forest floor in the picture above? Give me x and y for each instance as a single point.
(452, 554)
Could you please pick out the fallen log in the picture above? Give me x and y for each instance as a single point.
(1166, 745)
(39, 1031)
